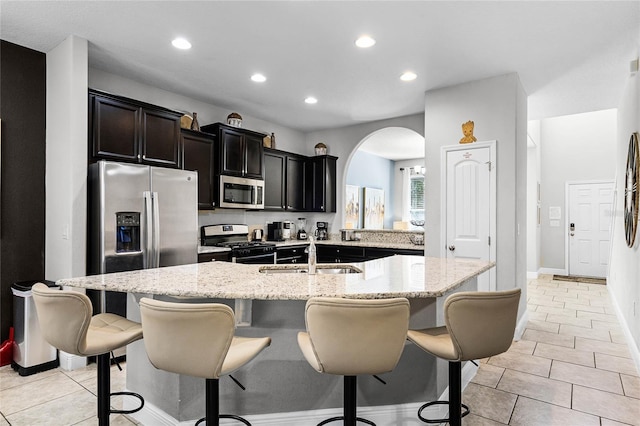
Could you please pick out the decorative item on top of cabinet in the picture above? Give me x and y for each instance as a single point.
(194, 123)
(127, 130)
(234, 119)
(273, 140)
(321, 149)
(467, 131)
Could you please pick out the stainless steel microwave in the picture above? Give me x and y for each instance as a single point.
(241, 193)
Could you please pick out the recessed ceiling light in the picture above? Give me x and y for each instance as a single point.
(365, 41)
(408, 76)
(181, 43)
(311, 100)
(258, 78)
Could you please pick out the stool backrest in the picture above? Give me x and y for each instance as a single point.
(64, 317)
(481, 324)
(187, 338)
(357, 336)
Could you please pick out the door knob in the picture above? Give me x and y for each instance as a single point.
(452, 247)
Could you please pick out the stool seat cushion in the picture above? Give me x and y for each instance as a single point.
(195, 339)
(437, 341)
(108, 332)
(66, 322)
(243, 350)
(349, 337)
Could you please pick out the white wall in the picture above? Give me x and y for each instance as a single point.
(624, 269)
(498, 107)
(66, 162)
(572, 148)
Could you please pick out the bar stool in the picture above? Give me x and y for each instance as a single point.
(348, 337)
(197, 339)
(478, 325)
(66, 322)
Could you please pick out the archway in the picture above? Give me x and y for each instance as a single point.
(385, 159)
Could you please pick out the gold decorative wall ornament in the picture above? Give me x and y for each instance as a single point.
(467, 131)
(631, 194)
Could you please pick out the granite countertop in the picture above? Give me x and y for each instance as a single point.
(212, 249)
(376, 244)
(394, 276)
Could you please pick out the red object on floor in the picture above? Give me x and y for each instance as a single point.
(6, 349)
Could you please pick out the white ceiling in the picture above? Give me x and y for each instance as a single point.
(571, 56)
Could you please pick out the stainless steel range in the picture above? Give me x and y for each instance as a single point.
(236, 237)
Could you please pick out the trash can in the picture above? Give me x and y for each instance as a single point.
(31, 353)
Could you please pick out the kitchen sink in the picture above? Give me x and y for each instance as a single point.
(320, 269)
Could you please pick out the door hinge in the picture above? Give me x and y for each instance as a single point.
(489, 240)
(488, 163)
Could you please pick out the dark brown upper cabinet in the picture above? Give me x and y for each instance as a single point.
(284, 180)
(198, 155)
(240, 152)
(124, 129)
(320, 185)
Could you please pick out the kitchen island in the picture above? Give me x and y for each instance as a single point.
(280, 380)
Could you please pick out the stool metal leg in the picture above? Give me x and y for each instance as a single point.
(212, 410)
(104, 389)
(455, 399)
(350, 405)
(455, 393)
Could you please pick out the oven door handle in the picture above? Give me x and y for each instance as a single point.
(247, 259)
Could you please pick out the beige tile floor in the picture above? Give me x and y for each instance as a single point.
(571, 368)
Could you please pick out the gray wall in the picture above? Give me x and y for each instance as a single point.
(498, 107)
(624, 269)
(572, 148)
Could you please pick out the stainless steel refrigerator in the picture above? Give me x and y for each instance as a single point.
(139, 217)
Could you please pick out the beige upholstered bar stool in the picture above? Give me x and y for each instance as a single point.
(348, 337)
(197, 339)
(67, 323)
(478, 325)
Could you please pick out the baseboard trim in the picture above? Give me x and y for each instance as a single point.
(552, 271)
(631, 343)
(521, 325)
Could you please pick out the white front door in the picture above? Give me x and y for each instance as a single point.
(589, 216)
(468, 206)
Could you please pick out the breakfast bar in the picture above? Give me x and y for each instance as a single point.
(269, 300)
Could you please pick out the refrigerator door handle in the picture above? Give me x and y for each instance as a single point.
(156, 230)
(147, 250)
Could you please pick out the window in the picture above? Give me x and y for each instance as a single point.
(416, 196)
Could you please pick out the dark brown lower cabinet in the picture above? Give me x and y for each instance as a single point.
(224, 256)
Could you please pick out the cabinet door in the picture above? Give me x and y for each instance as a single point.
(197, 155)
(274, 180)
(115, 129)
(295, 183)
(232, 152)
(321, 184)
(253, 157)
(160, 138)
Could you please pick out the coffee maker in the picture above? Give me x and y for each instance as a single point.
(322, 230)
(274, 231)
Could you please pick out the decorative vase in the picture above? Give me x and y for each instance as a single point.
(194, 123)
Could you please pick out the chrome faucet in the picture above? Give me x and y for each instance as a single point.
(312, 256)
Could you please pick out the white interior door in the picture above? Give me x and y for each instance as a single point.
(589, 221)
(469, 201)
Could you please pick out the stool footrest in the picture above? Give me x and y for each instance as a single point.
(334, 419)
(435, 421)
(226, 416)
(133, 394)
